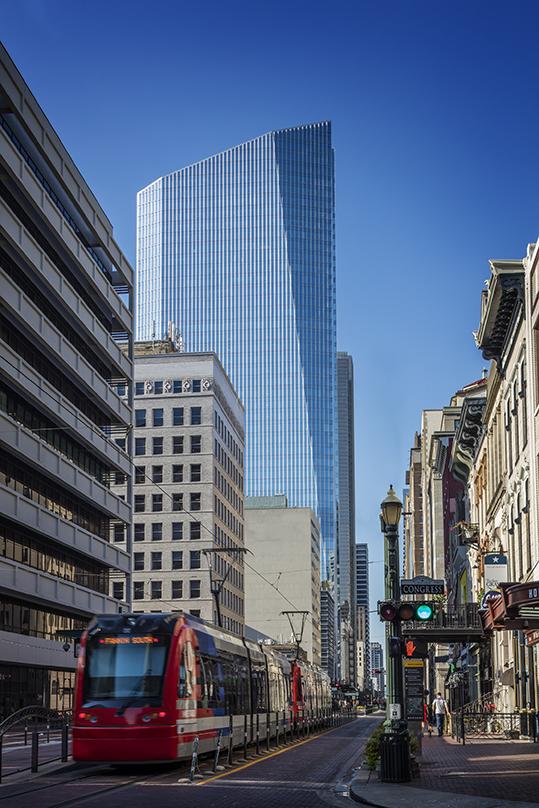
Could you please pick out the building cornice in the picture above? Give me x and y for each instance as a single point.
(501, 303)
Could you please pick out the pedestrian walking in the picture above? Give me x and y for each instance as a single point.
(427, 717)
(439, 708)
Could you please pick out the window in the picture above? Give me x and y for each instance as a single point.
(139, 388)
(157, 416)
(196, 386)
(158, 388)
(177, 531)
(196, 613)
(196, 416)
(120, 442)
(156, 590)
(138, 590)
(177, 444)
(139, 532)
(177, 474)
(139, 503)
(140, 417)
(196, 441)
(194, 588)
(157, 474)
(194, 502)
(119, 533)
(138, 561)
(157, 531)
(195, 472)
(194, 559)
(140, 474)
(158, 446)
(140, 446)
(194, 530)
(177, 560)
(118, 590)
(119, 478)
(177, 386)
(177, 416)
(157, 502)
(177, 589)
(156, 561)
(177, 502)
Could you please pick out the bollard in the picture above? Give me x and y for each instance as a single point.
(230, 740)
(48, 732)
(35, 751)
(268, 731)
(65, 742)
(1, 740)
(194, 760)
(258, 733)
(26, 734)
(277, 733)
(216, 766)
(462, 727)
(245, 737)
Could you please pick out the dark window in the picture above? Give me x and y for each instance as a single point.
(194, 559)
(140, 446)
(157, 474)
(177, 589)
(157, 561)
(196, 441)
(140, 417)
(196, 386)
(177, 444)
(118, 590)
(177, 474)
(157, 531)
(158, 416)
(177, 416)
(177, 560)
(158, 388)
(119, 533)
(194, 530)
(194, 588)
(158, 446)
(195, 613)
(138, 590)
(195, 472)
(140, 474)
(196, 416)
(138, 561)
(119, 478)
(177, 386)
(139, 532)
(177, 502)
(156, 589)
(157, 502)
(194, 502)
(139, 388)
(177, 531)
(139, 503)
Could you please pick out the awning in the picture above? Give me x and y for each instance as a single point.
(516, 609)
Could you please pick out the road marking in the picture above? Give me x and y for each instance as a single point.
(266, 757)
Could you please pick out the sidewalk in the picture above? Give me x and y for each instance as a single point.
(491, 773)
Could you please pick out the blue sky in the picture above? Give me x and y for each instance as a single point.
(436, 137)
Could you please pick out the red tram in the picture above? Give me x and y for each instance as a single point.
(148, 684)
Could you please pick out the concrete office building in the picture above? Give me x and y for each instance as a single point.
(377, 668)
(65, 390)
(328, 651)
(239, 251)
(285, 543)
(362, 603)
(188, 492)
(345, 583)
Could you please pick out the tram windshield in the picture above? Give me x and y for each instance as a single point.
(125, 670)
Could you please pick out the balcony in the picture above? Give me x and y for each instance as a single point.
(462, 625)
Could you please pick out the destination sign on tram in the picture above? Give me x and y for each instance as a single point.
(422, 585)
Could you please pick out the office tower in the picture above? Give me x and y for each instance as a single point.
(65, 391)
(238, 251)
(327, 630)
(346, 541)
(362, 601)
(285, 543)
(188, 485)
(377, 668)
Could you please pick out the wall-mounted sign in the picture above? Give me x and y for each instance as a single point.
(493, 594)
(422, 585)
(532, 637)
(495, 570)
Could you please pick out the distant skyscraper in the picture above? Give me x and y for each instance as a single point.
(362, 596)
(377, 667)
(239, 252)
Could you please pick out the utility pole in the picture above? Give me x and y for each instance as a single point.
(297, 635)
(216, 584)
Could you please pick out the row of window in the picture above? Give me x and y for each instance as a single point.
(175, 386)
(33, 621)
(156, 589)
(228, 518)
(176, 560)
(226, 436)
(156, 475)
(176, 502)
(176, 445)
(177, 531)
(177, 419)
(226, 489)
(226, 463)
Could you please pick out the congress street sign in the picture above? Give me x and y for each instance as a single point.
(422, 585)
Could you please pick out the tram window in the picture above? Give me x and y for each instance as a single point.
(210, 679)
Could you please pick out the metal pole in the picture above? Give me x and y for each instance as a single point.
(35, 751)
(245, 737)
(392, 539)
(65, 741)
(194, 760)
(268, 730)
(230, 739)
(1, 740)
(258, 733)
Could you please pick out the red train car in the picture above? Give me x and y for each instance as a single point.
(148, 684)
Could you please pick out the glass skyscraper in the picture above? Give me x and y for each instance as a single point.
(238, 251)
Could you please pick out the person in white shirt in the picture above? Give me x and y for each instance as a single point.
(439, 708)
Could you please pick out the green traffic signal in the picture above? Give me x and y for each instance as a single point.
(424, 611)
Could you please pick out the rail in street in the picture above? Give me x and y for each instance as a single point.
(309, 773)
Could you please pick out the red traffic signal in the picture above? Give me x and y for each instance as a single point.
(387, 611)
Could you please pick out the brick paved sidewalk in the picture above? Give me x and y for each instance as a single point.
(507, 770)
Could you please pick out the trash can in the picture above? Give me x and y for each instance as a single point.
(395, 757)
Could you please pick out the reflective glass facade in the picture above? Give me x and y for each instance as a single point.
(238, 251)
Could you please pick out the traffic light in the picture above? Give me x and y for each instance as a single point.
(395, 647)
(422, 611)
(414, 648)
(387, 611)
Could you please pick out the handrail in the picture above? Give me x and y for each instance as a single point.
(33, 712)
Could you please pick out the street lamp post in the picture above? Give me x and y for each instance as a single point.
(390, 515)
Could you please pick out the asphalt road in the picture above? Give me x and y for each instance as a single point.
(310, 774)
